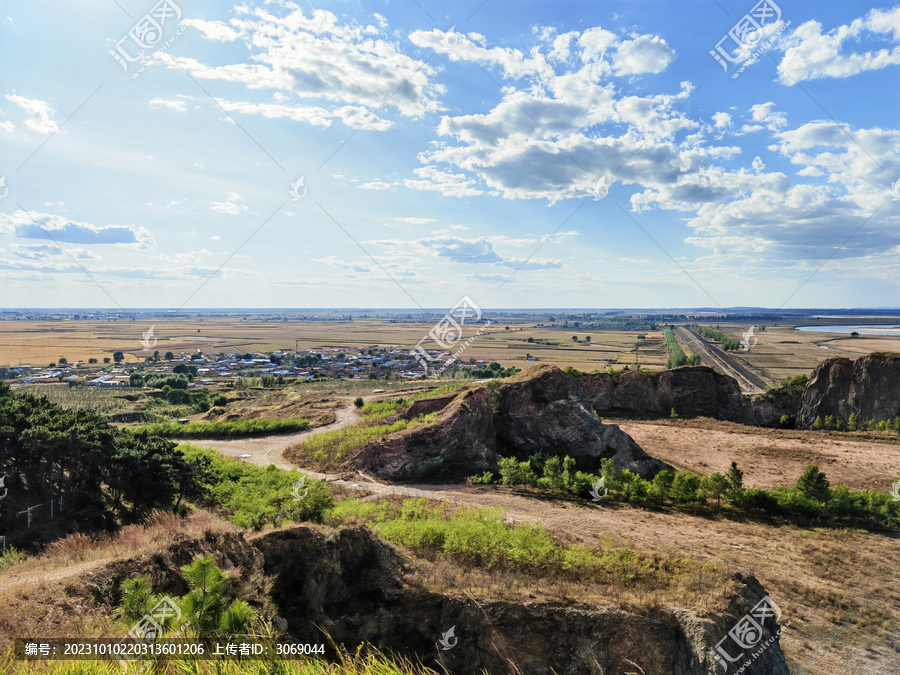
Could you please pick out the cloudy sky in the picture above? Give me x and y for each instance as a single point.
(397, 153)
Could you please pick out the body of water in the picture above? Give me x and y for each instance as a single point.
(862, 330)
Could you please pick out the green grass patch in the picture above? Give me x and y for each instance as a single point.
(227, 429)
(253, 496)
(328, 449)
(479, 538)
(376, 410)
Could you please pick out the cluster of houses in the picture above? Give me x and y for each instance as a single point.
(348, 363)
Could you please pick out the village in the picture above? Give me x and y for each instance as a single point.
(373, 362)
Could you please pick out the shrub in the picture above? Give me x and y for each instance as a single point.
(757, 499)
(358, 402)
(219, 400)
(735, 483)
(685, 486)
(484, 479)
(813, 484)
(11, 556)
(661, 484)
(788, 421)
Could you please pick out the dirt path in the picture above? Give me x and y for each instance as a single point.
(265, 450)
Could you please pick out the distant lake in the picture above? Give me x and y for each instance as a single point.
(862, 330)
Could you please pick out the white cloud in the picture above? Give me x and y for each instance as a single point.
(335, 68)
(645, 54)
(41, 119)
(810, 54)
(377, 185)
(478, 250)
(722, 120)
(413, 220)
(448, 184)
(179, 106)
(228, 208)
(54, 228)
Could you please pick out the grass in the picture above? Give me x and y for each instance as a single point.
(327, 450)
(104, 401)
(233, 429)
(252, 496)
(478, 540)
(376, 410)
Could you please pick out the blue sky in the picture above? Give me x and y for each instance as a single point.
(523, 154)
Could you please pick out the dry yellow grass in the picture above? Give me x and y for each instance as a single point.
(35, 597)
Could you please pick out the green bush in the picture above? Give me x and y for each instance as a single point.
(685, 487)
(813, 484)
(227, 429)
(252, 496)
(484, 479)
(11, 556)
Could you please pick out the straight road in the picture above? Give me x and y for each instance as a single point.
(750, 381)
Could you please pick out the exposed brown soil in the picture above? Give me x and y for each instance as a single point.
(770, 457)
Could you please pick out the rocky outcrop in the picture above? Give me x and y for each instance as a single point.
(540, 409)
(545, 409)
(461, 441)
(351, 586)
(869, 387)
(692, 391)
(766, 410)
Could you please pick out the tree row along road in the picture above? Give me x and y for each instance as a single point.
(750, 381)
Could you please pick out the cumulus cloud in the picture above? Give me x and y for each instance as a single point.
(58, 228)
(332, 68)
(478, 251)
(810, 54)
(41, 119)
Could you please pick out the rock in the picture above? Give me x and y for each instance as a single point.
(869, 387)
(353, 584)
(543, 408)
(693, 391)
(461, 441)
(540, 409)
